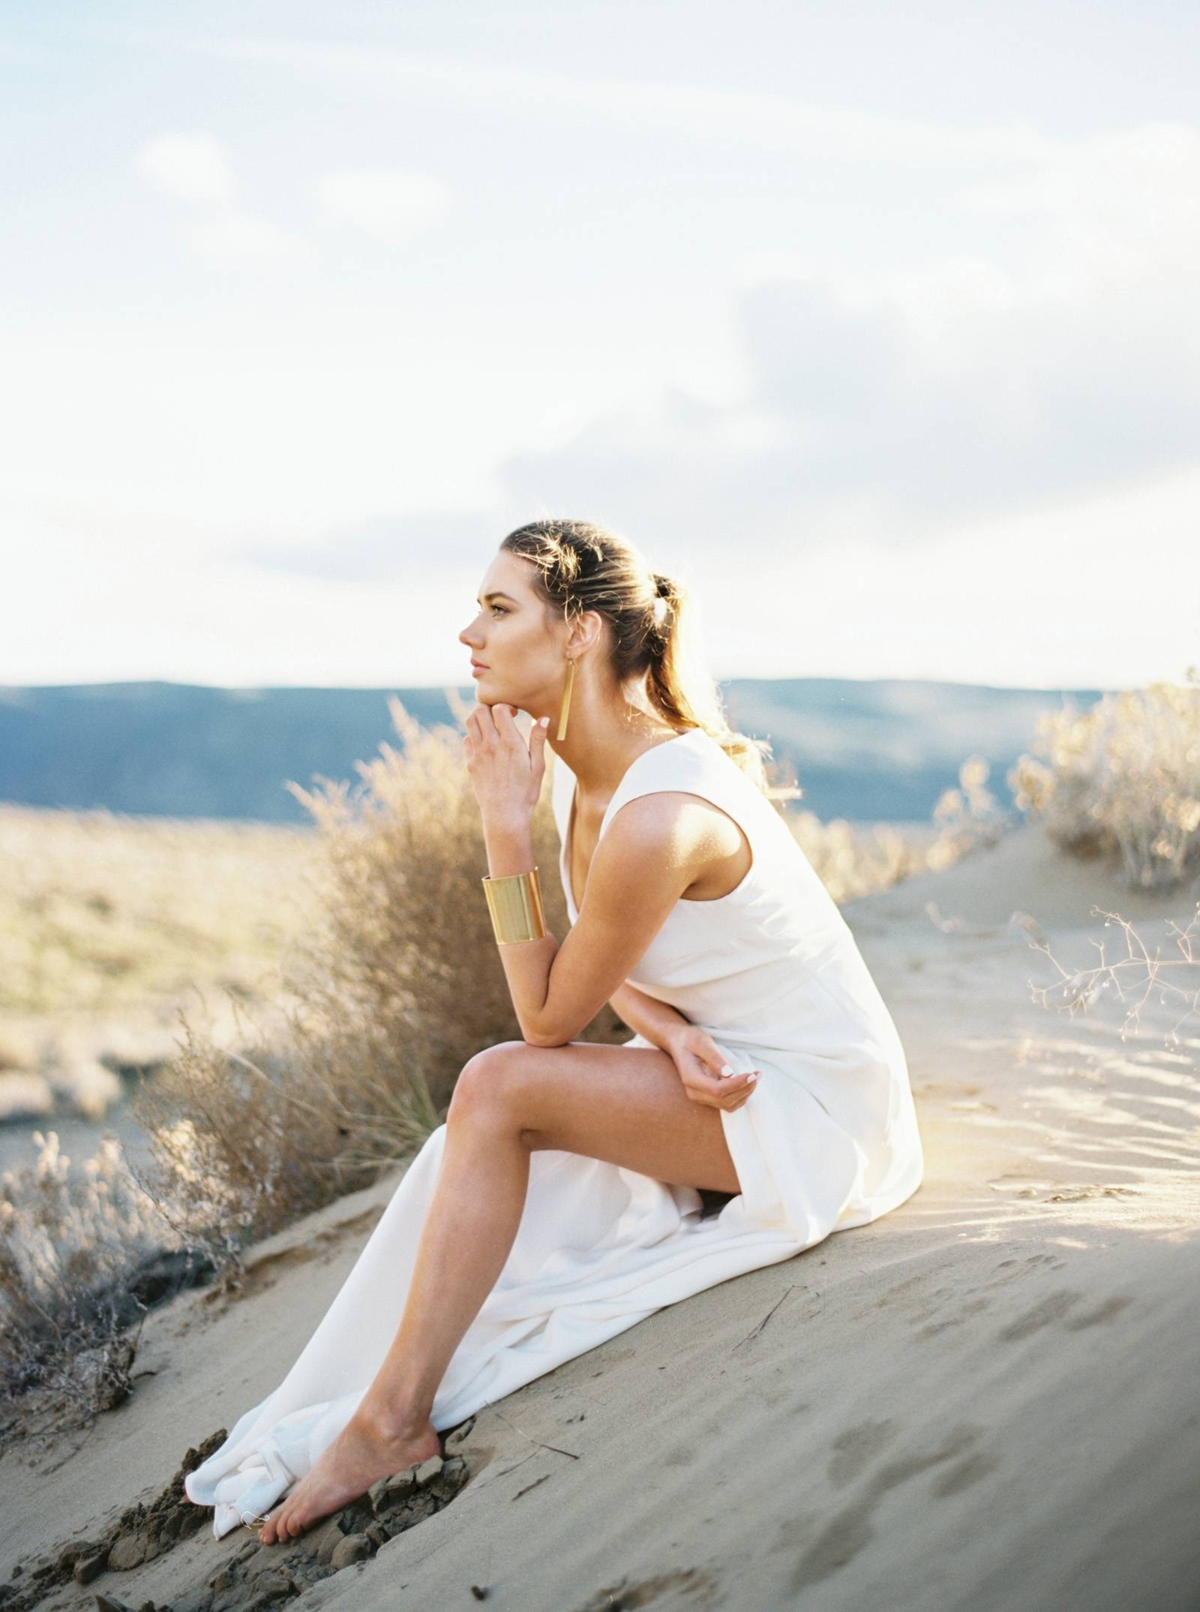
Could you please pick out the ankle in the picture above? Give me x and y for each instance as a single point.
(395, 1422)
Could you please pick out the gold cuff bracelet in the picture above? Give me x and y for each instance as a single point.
(515, 903)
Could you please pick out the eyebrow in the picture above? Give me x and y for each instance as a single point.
(488, 597)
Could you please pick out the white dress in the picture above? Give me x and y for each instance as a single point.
(828, 1140)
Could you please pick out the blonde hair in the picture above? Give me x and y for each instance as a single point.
(582, 566)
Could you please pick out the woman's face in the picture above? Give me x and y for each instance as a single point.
(518, 656)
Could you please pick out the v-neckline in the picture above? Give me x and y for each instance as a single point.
(569, 838)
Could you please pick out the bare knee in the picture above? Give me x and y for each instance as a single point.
(489, 1087)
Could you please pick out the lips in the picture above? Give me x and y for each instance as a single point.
(478, 666)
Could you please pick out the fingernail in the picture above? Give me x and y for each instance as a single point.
(727, 1070)
(543, 722)
(753, 1076)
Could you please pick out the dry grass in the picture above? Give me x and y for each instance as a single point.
(74, 1246)
(109, 923)
(1122, 780)
(100, 911)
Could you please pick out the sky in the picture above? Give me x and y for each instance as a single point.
(876, 325)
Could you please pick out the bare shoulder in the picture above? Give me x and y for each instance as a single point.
(685, 832)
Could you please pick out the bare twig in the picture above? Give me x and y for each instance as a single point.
(541, 1446)
(754, 1331)
(1082, 988)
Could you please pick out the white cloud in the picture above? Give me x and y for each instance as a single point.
(388, 203)
(234, 240)
(192, 167)
(760, 119)
(1112, 209)
(195, 168)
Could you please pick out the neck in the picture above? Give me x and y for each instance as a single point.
(600, 745)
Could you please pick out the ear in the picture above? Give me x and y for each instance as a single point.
(585, 631)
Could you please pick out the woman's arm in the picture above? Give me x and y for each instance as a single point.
(656, 1021)
(700, 1062)
(632, 887)
(653, 849)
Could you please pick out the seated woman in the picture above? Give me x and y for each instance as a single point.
(560, 1203)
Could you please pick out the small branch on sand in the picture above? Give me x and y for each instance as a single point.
(754, 1331)
(1081, 988)
(572, 1453)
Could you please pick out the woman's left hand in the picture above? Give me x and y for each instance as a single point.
(506, 773)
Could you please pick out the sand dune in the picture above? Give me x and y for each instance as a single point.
(985, 1400)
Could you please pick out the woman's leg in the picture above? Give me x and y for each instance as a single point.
(624, 1105)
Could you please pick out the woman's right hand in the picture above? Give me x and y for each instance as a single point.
(700, 1061)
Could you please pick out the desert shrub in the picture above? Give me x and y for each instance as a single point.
(1121, 780)
(77, 1246)
(968, 818)
(851, 859)
(857, 860)
(397, 984)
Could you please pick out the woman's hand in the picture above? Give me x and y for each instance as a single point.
(700, 1061)
(506, 773)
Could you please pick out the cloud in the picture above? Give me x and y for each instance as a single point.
(1051, 359)
(856, 426)
(234, 240)
(1113, 208)
(761, 120)
(385, 547)
(192, 167)
(934, 408)
(388, 203)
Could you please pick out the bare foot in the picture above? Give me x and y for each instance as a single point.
(363, 1452)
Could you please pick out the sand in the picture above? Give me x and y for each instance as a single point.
(985, 1400)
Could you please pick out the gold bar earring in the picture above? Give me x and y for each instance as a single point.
(568, 685)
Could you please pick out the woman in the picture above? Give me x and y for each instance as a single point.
(560, 1202)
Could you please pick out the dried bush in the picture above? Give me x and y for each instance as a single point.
(1122, 779)
(854, 860)
(393, 989)
(79, 1249)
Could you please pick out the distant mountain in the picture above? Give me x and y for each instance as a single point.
(865, 751)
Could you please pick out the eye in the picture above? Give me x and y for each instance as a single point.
(501, 609)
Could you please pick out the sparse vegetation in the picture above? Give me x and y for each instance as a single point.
(75, 1246)
(855, 861)
(1122, 779)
